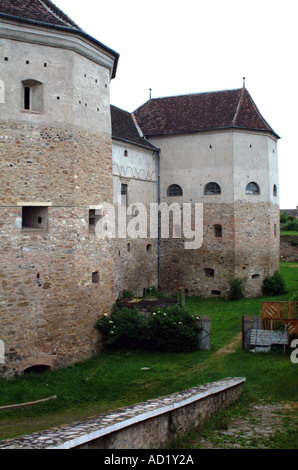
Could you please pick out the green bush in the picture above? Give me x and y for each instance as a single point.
(153, 292)
(236, 291)
(124, 327)
(294, 297)
(167, 330)
(274, 285)
(173, 329)
(291, 225)
(127, 294)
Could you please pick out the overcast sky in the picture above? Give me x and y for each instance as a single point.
(192, 46)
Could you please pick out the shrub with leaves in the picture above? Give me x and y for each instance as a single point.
(236, 291)
(274, 285)
(173, 329)
(125, 327)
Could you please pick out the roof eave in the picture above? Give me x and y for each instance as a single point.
(67, 30)
(213, 129)
(151, 147)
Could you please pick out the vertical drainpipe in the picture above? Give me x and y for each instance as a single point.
(159, 219)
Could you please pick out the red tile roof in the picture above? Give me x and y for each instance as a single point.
(124, 128)
(43, 11)
(201, 112)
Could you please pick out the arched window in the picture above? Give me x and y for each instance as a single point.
(252, 188)
(212, 188)
(174, 190)
(274, 190)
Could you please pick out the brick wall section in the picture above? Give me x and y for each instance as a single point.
(289, 248)
(248, 247)
(49, 303)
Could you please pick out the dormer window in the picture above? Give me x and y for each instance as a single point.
(32, 96)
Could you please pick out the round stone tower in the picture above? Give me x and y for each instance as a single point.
(56, 171)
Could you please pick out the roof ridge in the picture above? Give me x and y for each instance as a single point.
(48, 4)
(194, 94)
(238, 107)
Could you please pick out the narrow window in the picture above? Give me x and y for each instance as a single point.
(124, 190)
(34, 217)
(149, 249)
(275, 230)
(125, 153)
(32, 96)
(212, 189)
(174, 190)
(274, 190)
(95, 277)
(252, 188)
(128, 247)
(218, 231)
(255, 276)
(26, 97)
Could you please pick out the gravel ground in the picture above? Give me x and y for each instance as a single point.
(259, 428)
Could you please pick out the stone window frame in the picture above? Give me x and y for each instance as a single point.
(35, 211)
(32, 96)
(174, 190)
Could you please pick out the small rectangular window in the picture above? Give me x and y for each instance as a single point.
(95, 277)
(218, 231)
(34, 217)
(124, 191)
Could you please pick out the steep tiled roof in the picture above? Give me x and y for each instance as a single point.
(199, 112)
(43, 11)
(124, 128)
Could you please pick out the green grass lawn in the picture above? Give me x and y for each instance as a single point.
(115, 379)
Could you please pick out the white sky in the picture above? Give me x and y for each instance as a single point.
(192, 46)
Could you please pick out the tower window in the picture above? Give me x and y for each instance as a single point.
(208, 272)
(253, 188)
(212, 189)
(274, 190)
(174, 190)
(124, 192)
(34, 217)
(95, 277)
(32, 96)
(26, 97)
(218, 231)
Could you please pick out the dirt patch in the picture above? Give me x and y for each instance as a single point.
(229, 348)
(257, 429)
